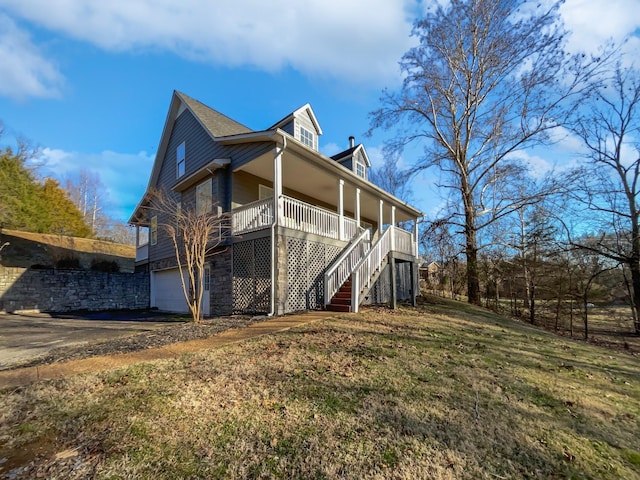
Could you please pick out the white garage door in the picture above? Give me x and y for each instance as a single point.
(167, 291)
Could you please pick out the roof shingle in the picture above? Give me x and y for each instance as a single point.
(219, 125)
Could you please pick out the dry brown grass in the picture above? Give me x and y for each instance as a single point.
(444, 391)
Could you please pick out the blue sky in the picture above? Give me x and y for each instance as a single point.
(90, 82)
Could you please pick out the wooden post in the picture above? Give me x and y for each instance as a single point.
(415, 282)
(392, 274)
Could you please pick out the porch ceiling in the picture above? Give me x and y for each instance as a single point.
(318, 181)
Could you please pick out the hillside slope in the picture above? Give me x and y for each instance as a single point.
(444, 391)
(26, 249)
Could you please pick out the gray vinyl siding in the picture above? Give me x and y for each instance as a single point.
(200, 149)
(245, 188)
(347, 163)
(242, 154)
(305, 121)
(360, 157)
(290, 128)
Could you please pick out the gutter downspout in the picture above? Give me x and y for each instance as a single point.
(273, 241)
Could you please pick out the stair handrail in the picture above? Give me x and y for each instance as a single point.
(341, 268)
(366, 267)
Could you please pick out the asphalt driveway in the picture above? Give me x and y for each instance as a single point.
(29, 336)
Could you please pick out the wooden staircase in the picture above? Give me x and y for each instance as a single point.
(341, 301)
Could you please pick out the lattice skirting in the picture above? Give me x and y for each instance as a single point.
(252, 276)
(306, 264)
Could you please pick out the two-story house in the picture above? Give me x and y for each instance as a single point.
(307, 230)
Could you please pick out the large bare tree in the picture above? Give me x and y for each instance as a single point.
(196, 233)
(488, 78)
(609, 127)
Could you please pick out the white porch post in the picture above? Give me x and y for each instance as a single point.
(341, 209)
(416, 251)
(393, 226)
(380, 217)
(277, 186)
(357, 212)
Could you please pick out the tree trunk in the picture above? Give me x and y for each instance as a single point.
(585, 318)
(532, 303)
(471, 250)
(634, 267)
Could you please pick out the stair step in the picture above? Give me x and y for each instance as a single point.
(338, 308)
(340, 301)
(342, 295)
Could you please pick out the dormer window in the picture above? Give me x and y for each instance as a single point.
(361, 169)
(180, 160)
(307, 137)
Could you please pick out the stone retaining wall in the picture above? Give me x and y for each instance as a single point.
(52, 290)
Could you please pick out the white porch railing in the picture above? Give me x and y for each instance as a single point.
(296, 214)
(299, 215)
(403, 241)
(253, 216)
(350, 228)
(342, 267)
(367, 266)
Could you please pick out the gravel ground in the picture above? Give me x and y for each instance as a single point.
(174, 333)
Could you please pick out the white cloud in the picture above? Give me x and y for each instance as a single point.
(24, 70)
(358, 40)
(593, 22)
(124, 175)
(330, 149)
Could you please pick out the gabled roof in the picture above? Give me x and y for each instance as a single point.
(217, 124)
(343, 156)
(281, 123)
(213, 122)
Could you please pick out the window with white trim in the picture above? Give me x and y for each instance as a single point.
(204, 197)
(361, 169)
(154, 230)
(307, 137)
(180, 160)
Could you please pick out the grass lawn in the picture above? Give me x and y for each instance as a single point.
(442, 391)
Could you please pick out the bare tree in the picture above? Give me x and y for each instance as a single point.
(196, 235)
(390, 177)
(610, 186)
(87, 193)
(488, 78)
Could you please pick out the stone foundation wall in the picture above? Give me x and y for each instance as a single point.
(68, 290)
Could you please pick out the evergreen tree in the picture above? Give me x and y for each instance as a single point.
(26, 204)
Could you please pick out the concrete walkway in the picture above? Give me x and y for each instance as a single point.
(24, 376)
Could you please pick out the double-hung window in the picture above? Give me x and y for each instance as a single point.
(180, 160)
(361, 170)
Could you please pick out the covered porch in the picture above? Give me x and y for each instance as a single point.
(294, 188)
